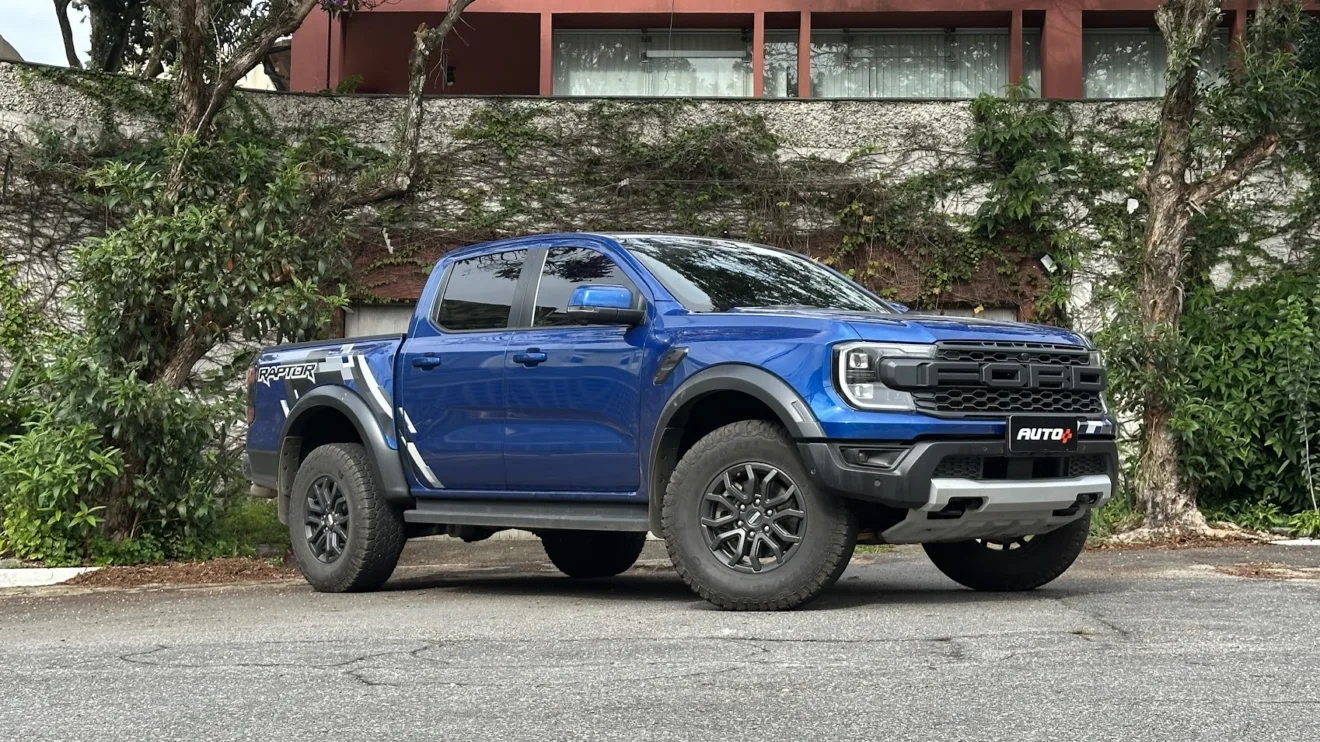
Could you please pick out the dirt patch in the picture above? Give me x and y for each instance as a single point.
(1270, 571)
(216, 571)
(1172, 544)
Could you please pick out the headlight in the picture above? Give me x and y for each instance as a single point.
(857, 374)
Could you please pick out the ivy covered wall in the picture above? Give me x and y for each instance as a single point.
(989, 203)
(893, 192)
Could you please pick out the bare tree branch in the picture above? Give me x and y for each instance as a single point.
(66, 30)
(159, 38)
(407, 141)
(1247, 159)
(281, 23)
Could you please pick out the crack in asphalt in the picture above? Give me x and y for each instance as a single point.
(953, 647)
(137, 658)
(357, 675)
(1095, 616)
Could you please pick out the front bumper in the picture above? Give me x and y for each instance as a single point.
(1027, 497)
(961, 509)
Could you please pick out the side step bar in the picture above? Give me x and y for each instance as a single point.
(577, 516)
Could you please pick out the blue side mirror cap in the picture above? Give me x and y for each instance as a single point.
(605, 304)
(900, 307)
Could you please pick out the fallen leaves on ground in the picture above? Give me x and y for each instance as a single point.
(1270, 571)
(215, 571)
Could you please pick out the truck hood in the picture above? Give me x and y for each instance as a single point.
(913, 327)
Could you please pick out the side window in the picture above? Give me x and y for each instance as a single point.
(479, 292)
(566, 268)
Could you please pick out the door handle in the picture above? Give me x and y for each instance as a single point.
(532, 357)
(426, 362)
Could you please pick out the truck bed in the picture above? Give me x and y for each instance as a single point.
(286, 373)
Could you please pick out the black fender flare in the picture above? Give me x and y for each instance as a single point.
(792, 411)
(388, 464)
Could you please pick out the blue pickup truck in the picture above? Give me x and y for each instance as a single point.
(758, 411)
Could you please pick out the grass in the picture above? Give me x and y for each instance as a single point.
(247, 523)
(1117, 515)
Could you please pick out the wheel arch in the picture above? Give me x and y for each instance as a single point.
(732, 392)
(336, 414)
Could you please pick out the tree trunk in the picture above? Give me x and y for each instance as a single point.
(1169, 506)
(189, 350)
(112, 24)
(1160, 494)
(66, 33)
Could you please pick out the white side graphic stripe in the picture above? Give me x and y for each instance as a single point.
(425, 470)
(375, 390)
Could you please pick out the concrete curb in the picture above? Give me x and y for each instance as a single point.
(40, 576)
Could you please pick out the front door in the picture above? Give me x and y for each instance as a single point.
(573, 417)
(452, 388)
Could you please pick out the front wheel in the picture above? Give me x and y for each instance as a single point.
(1011, 564)
(746, 528)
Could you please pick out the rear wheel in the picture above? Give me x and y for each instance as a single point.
(746, 528)
(1012, 564)
(346, 537)
(592, 553)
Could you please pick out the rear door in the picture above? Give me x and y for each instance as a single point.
(452, 388)
(573, 417)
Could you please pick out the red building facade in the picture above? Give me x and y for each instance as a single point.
(754, 48)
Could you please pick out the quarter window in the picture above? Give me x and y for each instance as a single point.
(566, 268)
(479, 292)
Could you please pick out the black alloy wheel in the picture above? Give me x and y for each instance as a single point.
(327, 523)
(753, 517)
(745, 526)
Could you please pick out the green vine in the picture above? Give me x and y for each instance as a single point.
(516, 167)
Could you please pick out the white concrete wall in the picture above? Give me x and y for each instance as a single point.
(365, 320)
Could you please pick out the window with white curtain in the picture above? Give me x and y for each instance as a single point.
(653, 63)
(908, 64)
(1031, 60)
(1130, 63)
(781, 79)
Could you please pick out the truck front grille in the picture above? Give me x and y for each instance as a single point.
(1040, 467)
(987, 351)
(974, 400)
(997, 378)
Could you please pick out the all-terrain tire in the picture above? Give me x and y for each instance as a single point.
(828, 532)
(586, 554)
(375, 528)
(980, 566)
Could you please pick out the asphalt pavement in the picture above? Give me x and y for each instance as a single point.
(1142, 645)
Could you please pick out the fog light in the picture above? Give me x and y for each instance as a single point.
(879, 458)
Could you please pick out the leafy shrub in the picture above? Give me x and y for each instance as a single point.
(1251, 421)
(46, 474)
(121, 449)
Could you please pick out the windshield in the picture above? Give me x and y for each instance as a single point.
(709, 275)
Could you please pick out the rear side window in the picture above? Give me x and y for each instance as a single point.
(479, 292)
(566, 268)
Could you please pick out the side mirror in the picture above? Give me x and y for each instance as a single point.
(898, 306)
(606, 304)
